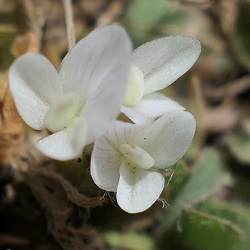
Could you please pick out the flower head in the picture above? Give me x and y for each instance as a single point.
(155, 65)
(77, 103)
(127, 159)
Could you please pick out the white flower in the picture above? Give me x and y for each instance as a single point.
(155, 66)
(77, 103)
(127, 158)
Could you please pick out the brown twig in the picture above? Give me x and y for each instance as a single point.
(32, 18)
(216, 18)
(115, 9)
(201, 106)
(7, 239)
(232, 89)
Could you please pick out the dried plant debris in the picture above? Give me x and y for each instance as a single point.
(11, 125)
(24, 44)
(66, 210)
(34, 178)
(45, 204)
(46, 18)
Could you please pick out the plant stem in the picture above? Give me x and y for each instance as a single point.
(69, 19)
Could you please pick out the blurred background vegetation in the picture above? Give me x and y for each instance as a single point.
(205, 206)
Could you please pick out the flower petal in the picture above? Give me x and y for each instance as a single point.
(139, 189)
(135, 87)
(62, 112)
(164, 60)
(105, 103)
(122, 132)
(136, 156)
(105, 165)
(93, 58)
(34, 84)
(168, 138)
(155, 105)
(66, 144)
(137, 116)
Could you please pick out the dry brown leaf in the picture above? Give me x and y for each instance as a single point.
(11, 125)
(24, 44)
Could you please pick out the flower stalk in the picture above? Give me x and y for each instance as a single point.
(69, 20)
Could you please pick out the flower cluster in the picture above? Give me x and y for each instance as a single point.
(79, 103)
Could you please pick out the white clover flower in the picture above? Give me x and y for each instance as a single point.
(77, 103)
(155, 66)
(127, 159)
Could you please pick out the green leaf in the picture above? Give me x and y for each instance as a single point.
(146, 12)
(239, 146)
(141, 16)
(180, 177)
(129, 241)
(207, 232)
(207, 178)
(233, 212)
(148, 19)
